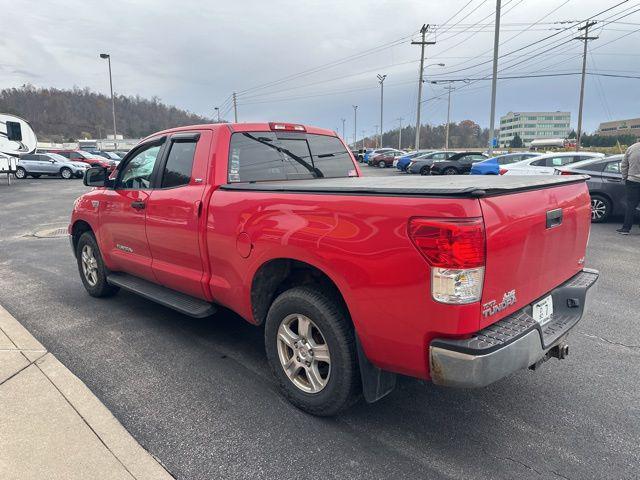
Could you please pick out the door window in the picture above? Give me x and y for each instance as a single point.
(177, 171)
(139, 170)
(612, 167)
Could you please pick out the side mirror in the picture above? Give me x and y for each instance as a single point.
(97, 177)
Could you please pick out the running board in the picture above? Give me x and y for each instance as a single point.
(185, 304)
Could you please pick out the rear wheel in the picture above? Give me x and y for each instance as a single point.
(66, 173)
(450, 171)
(381, 164)
(600, 208)
(310, 346)
(21, 173)
(425, 171)
(93, 272)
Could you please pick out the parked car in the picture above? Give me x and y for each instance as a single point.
(458, 164)
(108, 155)
(228, 215)
(403, 161)
(422, 164)
(606, 188)
(492, 166)
(86, 157)
(120, 153)
(371, 153)
(48, 164)
(546, 164)
(386, 159)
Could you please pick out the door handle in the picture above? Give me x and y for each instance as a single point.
(138, 205)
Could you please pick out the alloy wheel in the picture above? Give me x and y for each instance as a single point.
(598, 209)
(89, 265)
(303, 353)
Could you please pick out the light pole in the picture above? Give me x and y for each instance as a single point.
(364, 133)
(217, 109)
(494, 79)
(113, 102)
(449, 89)
(376, 135)
(400, 134)
(355, 122)
(343, 136)
(381, 79)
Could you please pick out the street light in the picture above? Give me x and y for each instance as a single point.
(217, 109)
(113, 102)
(449, 89)
(381, 79)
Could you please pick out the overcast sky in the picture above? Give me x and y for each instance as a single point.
(193, 54)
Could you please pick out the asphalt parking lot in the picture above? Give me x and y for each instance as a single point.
(199, 396)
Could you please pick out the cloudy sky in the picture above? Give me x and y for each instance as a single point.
(309, 61)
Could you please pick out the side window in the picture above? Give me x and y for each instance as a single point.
(75, 156)
(612, 167)
(440, 156)
(177, 170)
(66, 154)
(27, 158)
(540, 163)
(137, 173)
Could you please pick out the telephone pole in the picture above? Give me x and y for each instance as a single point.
(363, 135)
(586, 39)
(422, 44)
(217, 109)
(400, 134)
(494, 79)
(355, 123)
(235, 108)
(376, 136)
(381, 79)
(446, 138)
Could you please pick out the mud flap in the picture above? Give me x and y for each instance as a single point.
(376, 383)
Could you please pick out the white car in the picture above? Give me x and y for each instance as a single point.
(547, 163)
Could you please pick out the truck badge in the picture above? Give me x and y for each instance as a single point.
(492, 307)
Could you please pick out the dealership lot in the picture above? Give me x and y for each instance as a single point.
(199, 396)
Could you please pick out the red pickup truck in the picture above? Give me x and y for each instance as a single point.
(460, 280)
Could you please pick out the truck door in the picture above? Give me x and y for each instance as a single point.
(175, 221)
(123, 212)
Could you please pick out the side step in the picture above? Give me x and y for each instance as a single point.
(186, 304)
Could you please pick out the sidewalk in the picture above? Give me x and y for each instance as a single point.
(52, 426)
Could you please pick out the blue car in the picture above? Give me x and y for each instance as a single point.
(403, 162)
(492, 166)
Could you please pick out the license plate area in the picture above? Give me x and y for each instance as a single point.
(543, 310)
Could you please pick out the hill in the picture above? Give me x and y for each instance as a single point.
(66, 115)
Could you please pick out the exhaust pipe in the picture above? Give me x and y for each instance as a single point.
(560, 351)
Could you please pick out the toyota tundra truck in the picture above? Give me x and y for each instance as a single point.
(459, 280)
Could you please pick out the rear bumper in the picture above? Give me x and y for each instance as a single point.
(513, 343)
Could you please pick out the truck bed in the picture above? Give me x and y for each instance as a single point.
(455, 186)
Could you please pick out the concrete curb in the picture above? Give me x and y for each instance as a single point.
(26, 370)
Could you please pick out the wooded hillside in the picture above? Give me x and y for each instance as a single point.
(66, 115)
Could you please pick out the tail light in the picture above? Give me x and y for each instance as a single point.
(290, 127)
(455, 250)
(502, 171)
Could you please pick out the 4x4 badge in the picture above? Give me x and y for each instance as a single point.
(493, 307)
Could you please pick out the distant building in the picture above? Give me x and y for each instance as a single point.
(533, 126)
(620, 127)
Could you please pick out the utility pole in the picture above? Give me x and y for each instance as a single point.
(355, 123)
(496, 43)
(422, 44)
(586, 39)
(363, 135)
(343, 135)
(217, 109)
(376, 135)
(446, 137)
(381, 82)
(235, 108)
(400, 134)
(113, 101)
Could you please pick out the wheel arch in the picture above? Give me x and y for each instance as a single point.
(77, 229)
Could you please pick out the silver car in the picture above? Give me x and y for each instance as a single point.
(52, 164)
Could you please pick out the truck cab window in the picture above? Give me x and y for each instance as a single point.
(177, 170)
(137, 173)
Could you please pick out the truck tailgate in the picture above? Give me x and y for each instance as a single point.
(536, 240)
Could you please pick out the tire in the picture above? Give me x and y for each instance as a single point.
(600, 209)
(337, 382)
(20, 174)
(35, 175)
(66, 173)
(381, 164)
(450, 171)
(425, 170)
(95, 283)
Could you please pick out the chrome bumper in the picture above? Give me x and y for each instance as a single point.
(511, 344)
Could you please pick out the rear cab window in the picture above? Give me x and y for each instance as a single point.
(264, 156)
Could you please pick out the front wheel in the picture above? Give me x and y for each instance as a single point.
(310, 346)
(600, 209)
(21, 173)
(93, 272)
(424, 171)
(450, 171)
(66, 173)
